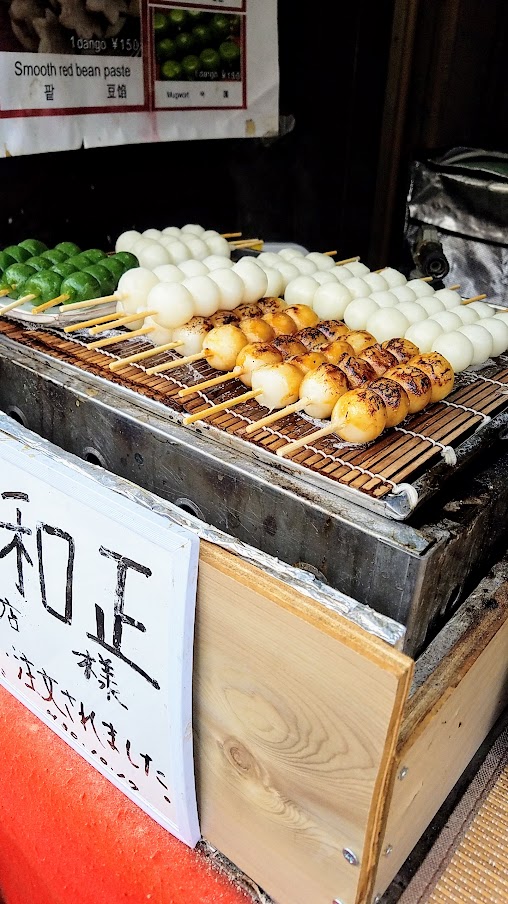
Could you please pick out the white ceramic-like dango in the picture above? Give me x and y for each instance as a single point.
(375, 281)
(450, 297)
(420, 287)
(466, 313)
(287, 271)
(482, 309)
(387, 323)
(301, 290)
(394, 278)
(194, 267)
(169, 273)
(331, 300)
(357, 268)
(217, 244)
(457, 348)
(270, 258)
(133, 289)
(178, 252)
(413, 311)
(152, 234)
(482, 340)
(357, 287)
(403, 293)
(205, 293)
(217, 262)
(192, 229)
(126, 240)
(448, 320)
(423, 333)
(304, 266)
(173, 303)
(289, 254)
(431, 305)
(150, 254)
(197, 247)
(324, 276)
(275, 284)
(174, 231)
(358, 312)
(321, 260)
(254, 278)
(159, 335)
(499, 332)
(385, 299)
(231, 287)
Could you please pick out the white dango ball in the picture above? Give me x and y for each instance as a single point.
(289, 254)
(197, 247)
(331, 300)
(321, 260)
(169, 273)
(231, 287)
(450, 297)
(413, 311)
(466, 313)
(324, 276)
(456, 348)
(421, 288)
(357, 268)
(341, 273)
(423, 333)
(192, 335)
(403, 293)
(498, 329)
(152, 234)
(482, 340)
(209, 234)
(375, 282)
(174, 231)
(173, 302)
(276, 285)
(481, 308)
(205, 294)
(152, 255)
(167, 240)
(301, 291)
(270, 258)
(304, 266)
(126, 240)
(357, 287)
(431, 305)
(217, 262)
(194, 267)
(287, 271)
(385, 299)
(502, 315)
(178, 252)
(133, 289)
(218, 245)
(448, 320)
(192, 229)
(159, 335)
(394, 278)
(387, 323)
(254, 279)
(358, 312)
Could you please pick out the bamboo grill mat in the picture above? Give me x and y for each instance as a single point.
(400, 455)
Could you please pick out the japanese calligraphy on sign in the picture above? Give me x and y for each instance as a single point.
(97, 599)
(160, 70)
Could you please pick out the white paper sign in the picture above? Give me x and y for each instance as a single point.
(97, 601)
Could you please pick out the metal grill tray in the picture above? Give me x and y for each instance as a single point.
(391, 476)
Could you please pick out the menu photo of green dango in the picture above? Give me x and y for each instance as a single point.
(192, 45)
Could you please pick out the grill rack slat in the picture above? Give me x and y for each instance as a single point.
(374, 470)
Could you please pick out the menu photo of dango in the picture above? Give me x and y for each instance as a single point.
(198, 56)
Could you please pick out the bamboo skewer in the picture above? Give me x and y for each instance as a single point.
(348, 260)
(112, 340)
(91, 302)
(305, 440)
(49, 304)
(214, 381)
(208, 412)
(6, 291)
(230, 235)
(277, 415)
(330, 253)
(141, 356)
(474, 298)
(9, 307)
(122, 321)
(93, 322)
(178, 362)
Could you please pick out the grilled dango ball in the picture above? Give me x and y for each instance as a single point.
(439, 372)
(279, 385)
(359, 416)
(321, 389)
(416, 383)
(252, 357)
(222, 346)
(395, 398)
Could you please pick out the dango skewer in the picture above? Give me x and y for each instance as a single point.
(112, 340)
(319, 390)
(142, 356)
(120, 321)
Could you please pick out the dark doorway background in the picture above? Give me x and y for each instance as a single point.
(364, 88)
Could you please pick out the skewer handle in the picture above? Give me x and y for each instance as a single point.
(11, 306)
(223, 406)
(230, 235)
(112, 316)
(289, 448)
(140, 356)
(277, 415)
(347, 260)
(454, 287)
(38, 309)
(5, 291)
(121, 321)
(214, 381)
(92, 302)
(169, 365)
(330, 253)
(112, 340)
(474, 298)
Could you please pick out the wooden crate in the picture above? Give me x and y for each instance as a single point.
(317, 770)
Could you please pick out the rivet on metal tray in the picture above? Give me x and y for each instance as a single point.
(403, 772)
(351, 857)
(388, 849)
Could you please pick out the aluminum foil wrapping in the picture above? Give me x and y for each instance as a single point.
(464, 195)
(381, 626)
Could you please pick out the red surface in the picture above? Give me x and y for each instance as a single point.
(67, 836)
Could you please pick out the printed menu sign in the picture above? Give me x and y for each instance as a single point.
(97, 600)
(106, 72)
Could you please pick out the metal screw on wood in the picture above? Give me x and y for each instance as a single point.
(351, 857)
(403, 772)
(388, 849)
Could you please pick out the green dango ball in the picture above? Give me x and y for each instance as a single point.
(79, 261)
(94, 255)
(80, 287)
(69, 248)
(55, 255)
(171, 71)
(64, 269)
(45, 285)
(15, 277)
(6, 260)
(127, 258)
(18, 253)
(106, 279)
(33, 246)
(116, 267)
(39, 263)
